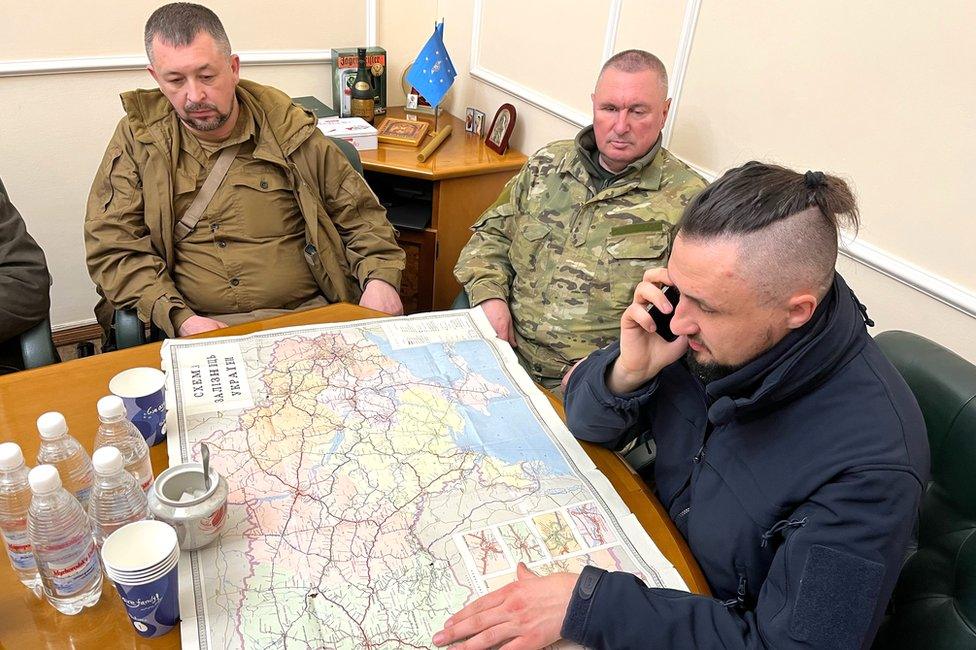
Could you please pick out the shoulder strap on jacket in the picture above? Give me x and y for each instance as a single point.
(191, 217)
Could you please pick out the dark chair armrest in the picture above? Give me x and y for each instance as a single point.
(461, 302)
(129, 330)
(37, 346)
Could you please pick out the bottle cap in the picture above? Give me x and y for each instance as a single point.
(52, 425)
(11, 457)
(44, 478)
(107, 460)
(111, 406)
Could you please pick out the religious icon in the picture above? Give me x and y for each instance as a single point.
(469, 120)
(479, 123)
(501, 129)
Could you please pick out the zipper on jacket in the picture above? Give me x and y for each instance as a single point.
(683, 513)
(739, 602)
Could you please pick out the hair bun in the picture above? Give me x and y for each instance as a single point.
(813, 180)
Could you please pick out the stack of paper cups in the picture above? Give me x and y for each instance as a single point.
(141, 558)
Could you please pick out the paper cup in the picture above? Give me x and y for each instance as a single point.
(141, 390)
(142, 559)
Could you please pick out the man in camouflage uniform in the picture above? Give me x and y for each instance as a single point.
(555, 260)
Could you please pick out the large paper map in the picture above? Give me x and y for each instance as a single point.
(381, 474)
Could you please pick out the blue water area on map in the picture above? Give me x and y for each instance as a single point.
(509, 431)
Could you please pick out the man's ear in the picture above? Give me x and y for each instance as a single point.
(667, 107)
(235, 67)
(801, 308)
(152, 73)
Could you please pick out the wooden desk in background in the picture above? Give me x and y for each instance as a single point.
(74, 387)
(450, 190)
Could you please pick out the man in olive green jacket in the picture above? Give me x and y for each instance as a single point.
(555, 260)
(291, 225)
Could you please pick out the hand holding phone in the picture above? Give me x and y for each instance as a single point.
(661, 320)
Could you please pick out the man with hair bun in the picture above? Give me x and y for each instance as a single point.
(554, 261)
(218, 201)
(791, 455)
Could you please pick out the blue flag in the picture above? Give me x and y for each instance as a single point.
(432, 73)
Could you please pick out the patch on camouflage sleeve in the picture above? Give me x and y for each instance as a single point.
(837, 598)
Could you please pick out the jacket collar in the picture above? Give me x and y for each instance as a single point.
(646, 177)
(804, 358)
(281, 126)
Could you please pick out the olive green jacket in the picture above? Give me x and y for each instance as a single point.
(130, 218)
(567, 255)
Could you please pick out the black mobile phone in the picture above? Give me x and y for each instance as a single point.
(661, 320)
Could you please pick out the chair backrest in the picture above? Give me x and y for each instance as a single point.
(934, 604)
(351, 153)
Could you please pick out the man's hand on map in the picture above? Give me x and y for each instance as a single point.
(197, 324)
(381, 296)
(527, 613)
(500, 318)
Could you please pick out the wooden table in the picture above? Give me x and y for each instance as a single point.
(74, 387)
(454, 186)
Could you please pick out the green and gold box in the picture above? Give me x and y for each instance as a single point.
(345, 62)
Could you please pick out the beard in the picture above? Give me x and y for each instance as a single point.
(209, 124)
(708, 372)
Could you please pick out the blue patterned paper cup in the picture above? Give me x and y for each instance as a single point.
(142, 392)
(142, 559)
(153, 607)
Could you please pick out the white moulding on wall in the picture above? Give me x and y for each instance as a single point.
(70, 65)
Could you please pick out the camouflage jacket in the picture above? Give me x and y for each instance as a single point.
(566, 256)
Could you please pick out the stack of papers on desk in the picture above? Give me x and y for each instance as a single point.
(356, 130)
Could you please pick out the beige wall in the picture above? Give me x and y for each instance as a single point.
(876, 91)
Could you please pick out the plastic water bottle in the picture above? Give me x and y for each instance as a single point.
(61, 534)
(116, 498)
(117, 431)
(58, 448)
(15, 498)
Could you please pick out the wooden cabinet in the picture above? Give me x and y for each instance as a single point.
(434, 203)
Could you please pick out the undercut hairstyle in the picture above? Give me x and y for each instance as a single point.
(178, 23)
(638, 61)
(786, 225)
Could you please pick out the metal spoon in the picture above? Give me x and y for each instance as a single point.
(205, 455)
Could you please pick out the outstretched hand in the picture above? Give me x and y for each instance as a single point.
(643, 354)
(522, 615)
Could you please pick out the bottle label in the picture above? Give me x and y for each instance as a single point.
(362, 108)
(18, 546)
(72, 565)
(83, 494)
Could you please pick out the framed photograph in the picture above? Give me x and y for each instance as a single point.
(479, 123)
(469, 120)
(501, 129)
(412, 100)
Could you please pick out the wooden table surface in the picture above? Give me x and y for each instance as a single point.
(74, 387)
(462, 154)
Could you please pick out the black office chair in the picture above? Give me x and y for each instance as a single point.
(130, 331)
(37, 346)
(934, 604)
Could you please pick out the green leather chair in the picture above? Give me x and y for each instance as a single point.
(130, 331)
(934, 604)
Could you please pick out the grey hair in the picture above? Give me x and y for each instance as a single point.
(178, 23)
(638, 61)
